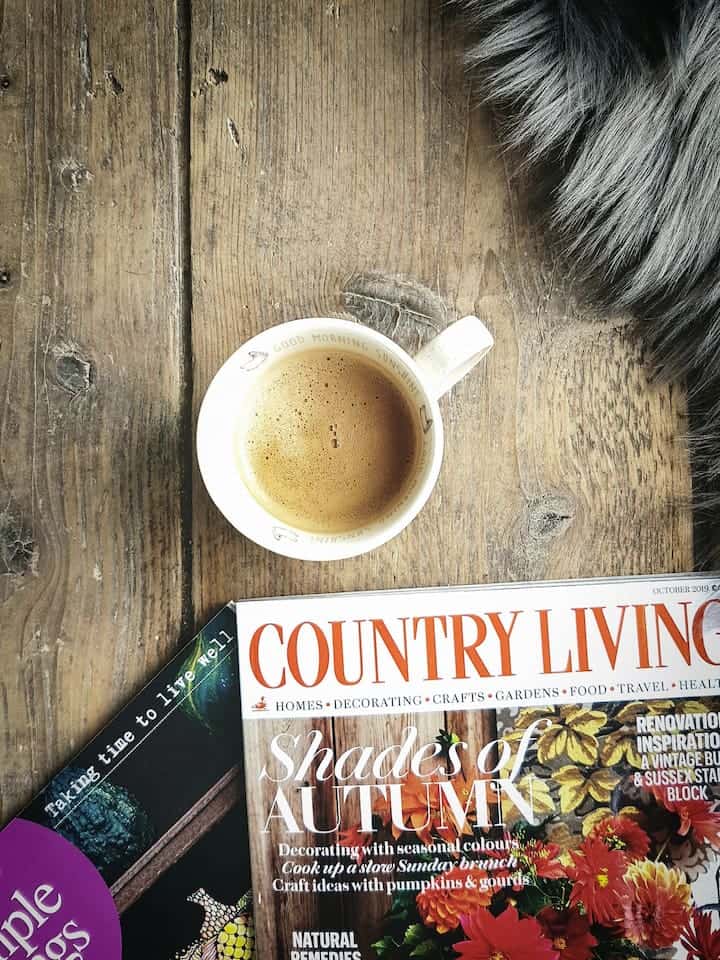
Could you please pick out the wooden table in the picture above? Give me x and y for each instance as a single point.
(175, 177)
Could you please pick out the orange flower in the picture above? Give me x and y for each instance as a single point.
(450, 895)
(420, 807)
(505, 937)
(699, 939)
(353, 838)
(598, 885)
(449, 829)
(657, 907)
(426, 811)
(622, 833)
(700, 816)
(569, 933)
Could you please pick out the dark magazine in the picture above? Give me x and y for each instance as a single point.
(146, 828)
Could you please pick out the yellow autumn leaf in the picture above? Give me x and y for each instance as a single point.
(528, 716)
(567, 774)
(552, 744)
(573, 787)
(534, 791)
(612, 749)
(572, 735)
(619, 744)
(601, 784)
(583, 720)
(659, 706)
(630, 711)
(689, 706)
(539, 790)
(582, 748)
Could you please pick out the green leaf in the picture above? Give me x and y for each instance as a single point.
(400, 906)
(531, 900)
(385, 947)
(612, 948)
(414, 935)
(428, 948)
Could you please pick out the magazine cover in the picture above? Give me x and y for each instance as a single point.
(494, 773)
(138, 848)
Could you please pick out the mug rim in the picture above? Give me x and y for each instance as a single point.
(214, 437)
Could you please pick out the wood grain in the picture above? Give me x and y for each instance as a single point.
(91, 372)
(168, 849)
(278, 914)
(342, 169)
(338, 166)
(364, 913)
(343, 152)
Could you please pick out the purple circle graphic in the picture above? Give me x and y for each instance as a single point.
(53, 901)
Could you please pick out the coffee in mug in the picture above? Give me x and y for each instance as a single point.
(321, 439)
(329, 440)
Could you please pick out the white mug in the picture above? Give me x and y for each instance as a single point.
(424, 378)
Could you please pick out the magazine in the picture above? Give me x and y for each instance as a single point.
(138, 848)
(495, 772)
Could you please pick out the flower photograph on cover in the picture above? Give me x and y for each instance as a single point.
(609, 869)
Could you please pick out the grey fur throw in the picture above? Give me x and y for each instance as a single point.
(618, 101)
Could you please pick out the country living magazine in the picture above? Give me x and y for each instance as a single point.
(491, 773)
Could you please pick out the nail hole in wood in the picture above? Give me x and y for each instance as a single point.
(4, 82)
(113, 84)
(216, 76)
(5, 277)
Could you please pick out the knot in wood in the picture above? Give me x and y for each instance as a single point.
(18, 552)
(5, 277)
(75, 177)
(404, 310)
(73, 372)
(113, 84)
(549, 516)
(4, 82)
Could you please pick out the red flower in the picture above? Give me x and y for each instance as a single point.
(568, 931)
(622, 833)
(699, 939)
(700, 816)
(598, 885)
(505, 937)
(534, 855)
(657, 907)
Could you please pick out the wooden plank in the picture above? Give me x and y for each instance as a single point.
(342, 152)
(277, 915)
(91, 373)
(175, 842)
(340, 167)
(362, 913)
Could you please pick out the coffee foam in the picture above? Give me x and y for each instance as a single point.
(329, 442)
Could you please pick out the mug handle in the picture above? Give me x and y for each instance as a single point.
(453, 353)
